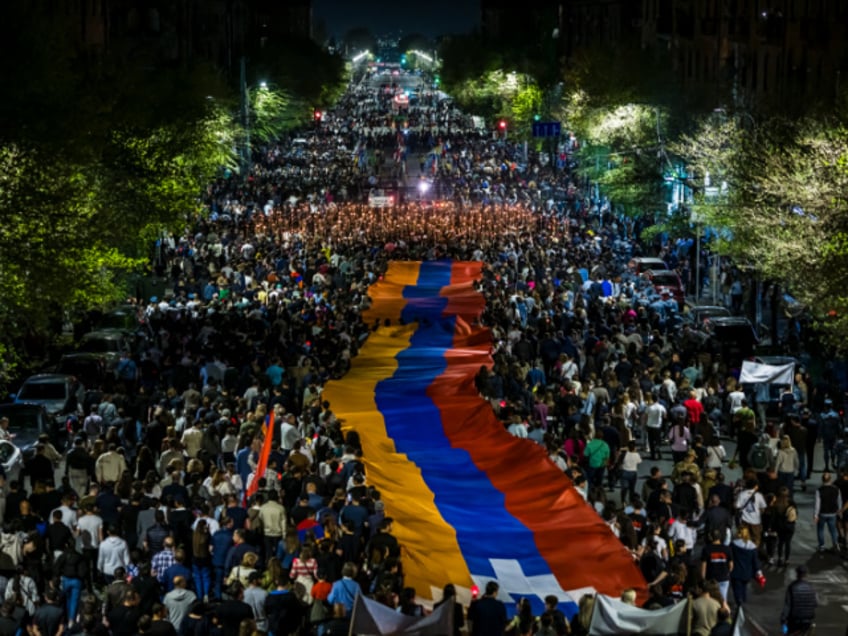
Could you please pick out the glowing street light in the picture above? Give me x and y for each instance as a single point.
(422, 54)
(359, 56)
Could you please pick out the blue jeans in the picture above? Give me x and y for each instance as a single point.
(628, 484)
(219, 581)
(596, 476)
(202, 576)
(830, 522)
(740, 591)
(787, 479)
(829, 447)
(802, 465)
(72, 589)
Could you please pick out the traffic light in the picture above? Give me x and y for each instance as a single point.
(537, 117)
(317, 115)
(437, 80)
(502, 124)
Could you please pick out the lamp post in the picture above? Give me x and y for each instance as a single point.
(245, 116)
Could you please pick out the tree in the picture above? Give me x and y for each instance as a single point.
(618, 104)
(785, 210)
(307, 74)
(83, 189)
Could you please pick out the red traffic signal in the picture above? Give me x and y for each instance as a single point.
(318, 115)
(502, 124)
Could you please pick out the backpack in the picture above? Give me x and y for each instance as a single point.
(759, 457)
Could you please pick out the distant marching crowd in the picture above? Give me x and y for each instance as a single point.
(149, 531)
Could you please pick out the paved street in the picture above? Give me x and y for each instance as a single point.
(828, 572)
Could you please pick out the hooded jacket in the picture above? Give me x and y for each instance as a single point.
(178, 601)
(745, 561)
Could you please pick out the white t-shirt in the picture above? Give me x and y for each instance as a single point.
(735, 401)
(89, 531)
(751, 507)
(631, 461)
(654, 415)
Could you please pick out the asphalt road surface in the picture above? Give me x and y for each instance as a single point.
(828, 571)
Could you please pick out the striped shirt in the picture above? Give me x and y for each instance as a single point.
(301, 568)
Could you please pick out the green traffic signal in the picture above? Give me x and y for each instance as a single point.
(537, 117)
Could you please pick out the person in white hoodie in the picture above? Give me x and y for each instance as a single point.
(178, 601)
(112, 553)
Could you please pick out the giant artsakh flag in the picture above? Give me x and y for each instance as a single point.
(471, 502)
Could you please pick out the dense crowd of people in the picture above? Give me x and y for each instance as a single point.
(161, 525)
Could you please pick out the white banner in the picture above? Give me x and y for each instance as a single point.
(611, 617)
(374, 619)
(380, 201)
(758, 373)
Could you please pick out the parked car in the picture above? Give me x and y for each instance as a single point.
(641, 264)
(27, 421)
(58, 393)
(107, 345)
(88, 368)
(700, 316)
(734, 338)
(123, 317)
(666, 281)
(12, 460)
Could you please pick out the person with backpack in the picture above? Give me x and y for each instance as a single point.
(786, 513)
(21, 590)
(761, 457)
(750, 505)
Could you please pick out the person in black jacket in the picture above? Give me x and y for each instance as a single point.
(72, 567)
(11, 618)
(39, 468)
(449, 596)
(148, 588)
(284, 610)
(58, 535)
(800, 603)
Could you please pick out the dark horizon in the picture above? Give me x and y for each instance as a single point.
(433, 18)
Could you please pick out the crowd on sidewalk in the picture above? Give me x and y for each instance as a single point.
(150, 529)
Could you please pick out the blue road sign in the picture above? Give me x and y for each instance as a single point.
(547, 129)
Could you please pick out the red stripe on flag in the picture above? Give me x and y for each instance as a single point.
(263, 456)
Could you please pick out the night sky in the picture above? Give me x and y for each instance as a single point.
(429, 17)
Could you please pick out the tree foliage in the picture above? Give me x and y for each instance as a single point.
(785, 209)
(96, 159)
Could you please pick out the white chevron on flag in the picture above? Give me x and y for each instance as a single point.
(514, 584)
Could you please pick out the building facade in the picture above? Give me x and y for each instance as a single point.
(175, 32)
(579, 24)
(755, 52)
